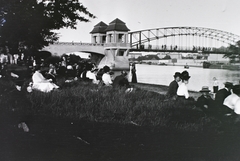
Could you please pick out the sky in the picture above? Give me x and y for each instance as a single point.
(147, 14)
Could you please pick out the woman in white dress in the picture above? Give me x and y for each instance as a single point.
(41, 83)
(106, 78)
(182, 91)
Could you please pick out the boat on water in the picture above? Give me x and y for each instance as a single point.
(186, 66)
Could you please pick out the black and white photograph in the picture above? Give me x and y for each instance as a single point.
(119, 80)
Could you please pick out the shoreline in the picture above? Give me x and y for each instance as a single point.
(161, 89)
(233, 67)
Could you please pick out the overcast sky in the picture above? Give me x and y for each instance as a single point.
(147, 14)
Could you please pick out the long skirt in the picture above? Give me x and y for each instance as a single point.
(44, 87)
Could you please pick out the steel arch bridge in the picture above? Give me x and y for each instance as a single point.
(181, 38)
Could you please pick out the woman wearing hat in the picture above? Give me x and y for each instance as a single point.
(182, 91)
(205, 101)
(106, 77)
(41, 83)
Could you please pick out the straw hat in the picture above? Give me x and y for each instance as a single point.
(205, 89)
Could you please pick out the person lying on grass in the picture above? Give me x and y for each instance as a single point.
(41, 83)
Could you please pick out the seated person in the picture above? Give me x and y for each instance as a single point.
(205, 101)
(70, 74)
(40, 83)
(121, 81)
(182, 91)
(173, 86)
(232, 99)
(220, 97)
(223, 93)
(106, 77)
(99, 74)
(91, 75)
(51, 74)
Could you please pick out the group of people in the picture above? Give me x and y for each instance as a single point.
(45, 78)
(225, 101)
(178, 87)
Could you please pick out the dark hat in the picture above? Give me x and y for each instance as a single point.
(106, 69)
(177, 74)
(185, 75)
(228, 84)
(205, 89)
(124, 72)
(236, 89)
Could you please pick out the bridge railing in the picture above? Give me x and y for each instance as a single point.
(95, 44)
(117, 45)
(80, 43)
(181, 48)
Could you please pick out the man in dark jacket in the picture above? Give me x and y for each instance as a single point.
(221, 95)
(205, 101)
(121, 81)
(173, 86)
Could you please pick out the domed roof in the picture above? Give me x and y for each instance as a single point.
(117, 25)
(99, 28)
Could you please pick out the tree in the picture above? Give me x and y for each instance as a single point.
(31, 22)
(234, 51)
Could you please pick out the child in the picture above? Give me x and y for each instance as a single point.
(215, 85)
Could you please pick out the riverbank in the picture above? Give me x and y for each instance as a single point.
(161, 89)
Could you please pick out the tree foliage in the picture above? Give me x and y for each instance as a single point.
(31, 22)
(234, 51)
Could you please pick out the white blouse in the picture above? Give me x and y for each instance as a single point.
(182, 90)
(107, 80)
(231, 100)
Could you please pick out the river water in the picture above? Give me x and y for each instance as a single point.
(163, 75)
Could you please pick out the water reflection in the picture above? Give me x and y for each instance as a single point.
(163, 75)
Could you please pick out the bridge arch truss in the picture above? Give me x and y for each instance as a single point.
(185, 36)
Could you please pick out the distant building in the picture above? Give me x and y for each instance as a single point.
(162, 55)
(175, 55)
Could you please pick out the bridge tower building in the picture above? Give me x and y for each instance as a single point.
(98, 33)
(114, 33)
(117, 32)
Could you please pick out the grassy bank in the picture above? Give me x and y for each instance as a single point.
(85, 101)
(83, 122)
